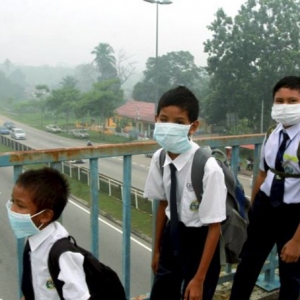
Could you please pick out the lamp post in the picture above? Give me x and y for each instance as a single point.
(157, 2)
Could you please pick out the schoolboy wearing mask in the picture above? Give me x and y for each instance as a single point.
(38, 199)
(190, 254)
(275, 211)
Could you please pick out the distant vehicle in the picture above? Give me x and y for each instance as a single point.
(53, 128)
(80, 133)
(77, 161)
(9, 125)
(149, 155)
(18, 134)
(4, 130)
(89, 143)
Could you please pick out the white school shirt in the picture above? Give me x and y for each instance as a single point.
(71, 265)
(290, 162)
(212, 207)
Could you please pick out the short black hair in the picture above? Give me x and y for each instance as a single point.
(181, 97)
(289, 82)
(49, 189)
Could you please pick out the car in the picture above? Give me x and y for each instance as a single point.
(53, 128)
(80, 133)
(4, 130)
(9, 125)
(18, 134)
(77, 161)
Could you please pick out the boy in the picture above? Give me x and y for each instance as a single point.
(275, 211)
(185, 252)
(38, 199)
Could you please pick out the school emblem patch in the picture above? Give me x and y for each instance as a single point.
(194, 205)
(50, 284)
(189, 187)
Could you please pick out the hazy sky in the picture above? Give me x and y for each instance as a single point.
(54, 32)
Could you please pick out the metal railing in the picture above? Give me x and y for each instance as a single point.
(23, 156)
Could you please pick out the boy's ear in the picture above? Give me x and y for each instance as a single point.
(47, 216)
(194, 127)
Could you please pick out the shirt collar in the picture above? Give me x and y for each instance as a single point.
(37, 239)
(292, 131)
(180, 161)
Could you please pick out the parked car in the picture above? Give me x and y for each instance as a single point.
(9, 125)
(4, 130)
(18, 134)
(80, 133)
(53, 128)
(77, 161)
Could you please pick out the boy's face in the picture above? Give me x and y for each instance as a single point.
(174, 114)
(286, 96)
(22, 203)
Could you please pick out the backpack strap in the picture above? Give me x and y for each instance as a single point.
(162, 157)
(197, 173)
(268, 133)
(60, 246)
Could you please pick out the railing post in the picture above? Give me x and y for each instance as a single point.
(126, 222)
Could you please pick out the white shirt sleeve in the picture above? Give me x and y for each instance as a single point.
(213, 205)
(154, 188)
(73, 275)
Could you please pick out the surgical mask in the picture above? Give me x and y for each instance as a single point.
(286, 114)
(173, 137)
(22, 224)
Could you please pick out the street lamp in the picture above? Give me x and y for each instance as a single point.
(157, 2)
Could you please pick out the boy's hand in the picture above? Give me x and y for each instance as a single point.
(155, 260)
(290, 252)
(194, 290)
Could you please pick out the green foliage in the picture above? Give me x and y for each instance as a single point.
(105, 61)
(102, 100)
(173, 69)
(248, 54)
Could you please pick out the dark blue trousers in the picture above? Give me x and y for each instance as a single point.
(268, 226)
(175, 273)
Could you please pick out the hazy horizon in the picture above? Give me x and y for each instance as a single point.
(56, 33)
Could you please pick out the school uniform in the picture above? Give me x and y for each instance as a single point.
(272, 222)
(174, 270)
(71, 265)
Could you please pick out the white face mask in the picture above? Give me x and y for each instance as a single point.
(22, 224)
(173, 137)
(286, 114)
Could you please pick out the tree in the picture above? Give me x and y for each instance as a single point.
(41, 92)
(105, 61)
(124, 66)
(102, 100)
(69, 82)
(248, 54)
(86, 76)
(64, 101)
(174, 68)
(9, 90)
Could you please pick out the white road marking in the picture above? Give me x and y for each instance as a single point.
(111, 226)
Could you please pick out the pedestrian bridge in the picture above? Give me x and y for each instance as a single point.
(23, 156)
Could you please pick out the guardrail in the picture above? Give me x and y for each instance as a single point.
(24, 156)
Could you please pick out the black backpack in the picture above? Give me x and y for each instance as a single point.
(234, 228)
(102, 281)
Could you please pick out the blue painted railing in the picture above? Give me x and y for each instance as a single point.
(54, 157)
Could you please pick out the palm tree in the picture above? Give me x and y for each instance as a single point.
(105, 61)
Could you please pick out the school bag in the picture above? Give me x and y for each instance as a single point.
(234, 228)
(102, 281)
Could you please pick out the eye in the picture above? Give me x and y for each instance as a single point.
(293, 101)
(278, 101)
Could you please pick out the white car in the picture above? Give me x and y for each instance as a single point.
(80, 133)
(53, 128)
(18, 134)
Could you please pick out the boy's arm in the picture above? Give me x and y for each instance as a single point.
(291, 250)
(161, 220)
(261, 176)
(194, 289)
